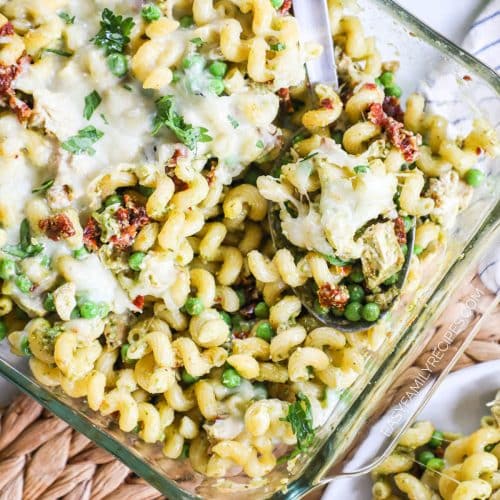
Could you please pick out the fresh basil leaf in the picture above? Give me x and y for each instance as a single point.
(46, 185)
(92, 102)
(82, 142)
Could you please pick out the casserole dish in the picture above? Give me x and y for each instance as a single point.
(472, 85)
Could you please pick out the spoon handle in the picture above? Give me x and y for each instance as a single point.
(314, 24)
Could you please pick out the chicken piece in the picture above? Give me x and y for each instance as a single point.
(382, 255)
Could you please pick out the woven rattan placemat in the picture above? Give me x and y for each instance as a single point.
(42, 458)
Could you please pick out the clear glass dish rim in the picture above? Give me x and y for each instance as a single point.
(302, 484)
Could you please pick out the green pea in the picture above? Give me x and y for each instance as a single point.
(114, 199)
(319, 309)
(424, 456)
(357, 276)
(25, 346)
(387, 79)
(218, 69)
(435, 464)
(135, 261)
(3, 330)
(89, 310)
(370, 312)
(408, 222)
(436, 439)
(118, 64)
(277, 3)
(186, 21)
(262, 310)
(404, 248)
(474, 177)
(227, 318)
(187, 378)
(124, 353)
(252, 175)
(264, 331)
(231, 378)
(190, 61)
(356, 293)
(150, 13)
(352, 311)
(216, 86)
(417, 249)
(392, 280)
(23, 283)
(338, 313)
(7, 268)
(393, 91)
(194, 306)
(48, 303)
(361, 169)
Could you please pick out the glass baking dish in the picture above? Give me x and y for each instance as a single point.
(470, 87)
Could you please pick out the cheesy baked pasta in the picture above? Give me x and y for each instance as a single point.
(138, 146)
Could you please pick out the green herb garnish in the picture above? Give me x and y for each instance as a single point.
(92, 102)
(25, 248)
(197, 41)
(278, 47)
(67, 18)
(300, 418)
(309, 156)
(42, 188)
(59, 52)
(335, 261)
(233, 122)
(166, 116)
(82, 142)
(115, 32)
(260, 144)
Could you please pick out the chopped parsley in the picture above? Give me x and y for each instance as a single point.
(67, 18)
(197, 41)
(260, 144)
(104, 119)
(115, 32)
(59, 52)
(92, 102)
(150, 13)
(233, 122)
(82, 142)
(166, 116)
(128, 87)
(300, 418)
(361, 169)
(25, 248)
(46, 185)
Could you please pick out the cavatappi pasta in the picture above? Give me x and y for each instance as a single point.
(430, 465)
(137, 145)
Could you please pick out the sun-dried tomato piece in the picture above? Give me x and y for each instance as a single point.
(400, 230)
(329, 296)
(57, 227)
(92, 235)
(404, 140)
(139, 302)
(131, 219)
(180, 152)
(326, 103)
(7, 29)
(7, 94)
(211, 173)
(392, 107)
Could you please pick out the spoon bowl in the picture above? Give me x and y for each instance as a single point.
(307, 292)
